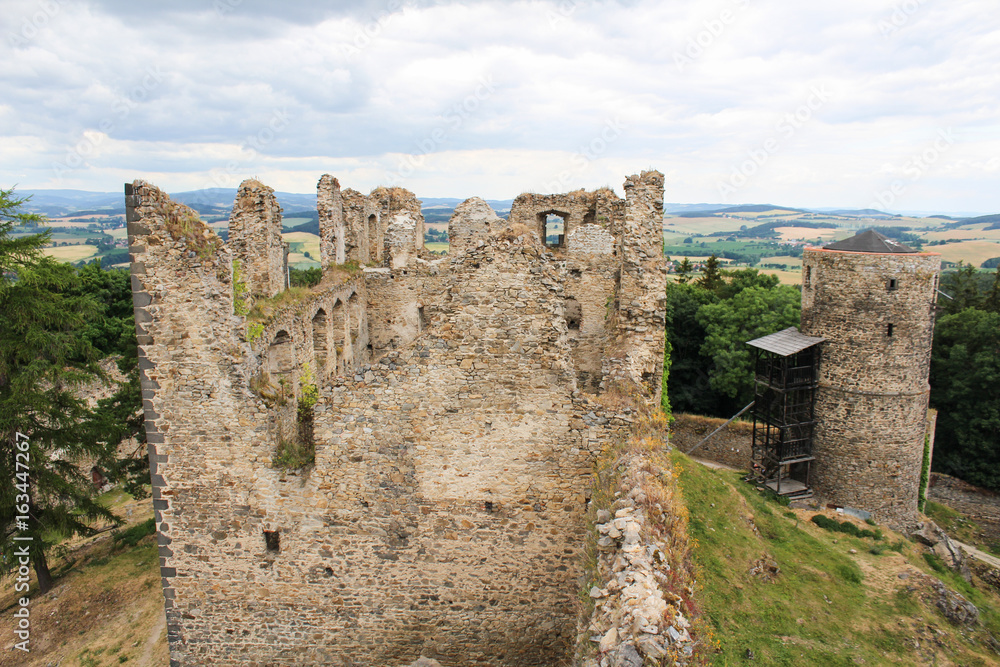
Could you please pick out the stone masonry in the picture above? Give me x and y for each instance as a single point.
(876, 311)
(255, 238)
(461, 403)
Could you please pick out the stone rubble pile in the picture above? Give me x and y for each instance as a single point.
(636, 619)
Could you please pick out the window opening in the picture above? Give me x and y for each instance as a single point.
(893, 284)
(555, 230)
(272, 539)
(574, 314)
(888, 331)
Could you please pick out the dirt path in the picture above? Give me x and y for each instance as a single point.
(712, 464)
(976, 553)
(153, 641)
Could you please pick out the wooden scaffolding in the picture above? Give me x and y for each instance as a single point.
(786, 367)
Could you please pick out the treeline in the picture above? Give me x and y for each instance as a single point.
(965, 377)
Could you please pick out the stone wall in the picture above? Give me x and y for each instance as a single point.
(454, 435)
(600, 208)
(590, 240)
(471, 224)
(981, 505)
(872, 398)
(330, 211)
(732, 446)
(255, 238)
(639, 306)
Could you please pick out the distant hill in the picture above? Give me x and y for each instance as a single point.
(742, 208)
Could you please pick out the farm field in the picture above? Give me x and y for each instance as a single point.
(300, 243)
(970, 252)
(783, 259)
(965, 234)
(702, 225)
(785, 277)
(71, 253)
(288, 223)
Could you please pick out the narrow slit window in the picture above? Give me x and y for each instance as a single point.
(808, 280)
(888, 330)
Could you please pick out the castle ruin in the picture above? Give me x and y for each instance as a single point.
(444, 415)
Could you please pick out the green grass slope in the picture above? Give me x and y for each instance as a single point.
(779, 590)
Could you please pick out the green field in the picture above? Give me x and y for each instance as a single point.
(300, 243)
(436, 247)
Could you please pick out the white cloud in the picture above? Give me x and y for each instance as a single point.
(490, 98)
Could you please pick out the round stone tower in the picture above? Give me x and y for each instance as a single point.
(872, 299)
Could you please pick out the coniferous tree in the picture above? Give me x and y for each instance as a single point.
(43, 358)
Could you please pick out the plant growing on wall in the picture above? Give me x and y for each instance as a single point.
(241, 293)
(298, 453)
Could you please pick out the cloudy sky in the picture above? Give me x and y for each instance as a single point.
(891, 103)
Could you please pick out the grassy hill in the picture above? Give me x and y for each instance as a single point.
(779, 590)
(106, 607)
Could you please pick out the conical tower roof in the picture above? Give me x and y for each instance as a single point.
(870, 241)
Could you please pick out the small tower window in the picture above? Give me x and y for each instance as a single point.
(888, 330)
(893, 284)
(272, 539)
(808, 278)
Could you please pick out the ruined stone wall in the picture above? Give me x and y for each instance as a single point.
(471, 224)
(590, 290)
(732, 446)
(636, 352)
(872, 398)
(330, 212)
(576, 208)
(590, 240)
(392, 201)
(362, 228)
(443, 514)
(255, 238)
